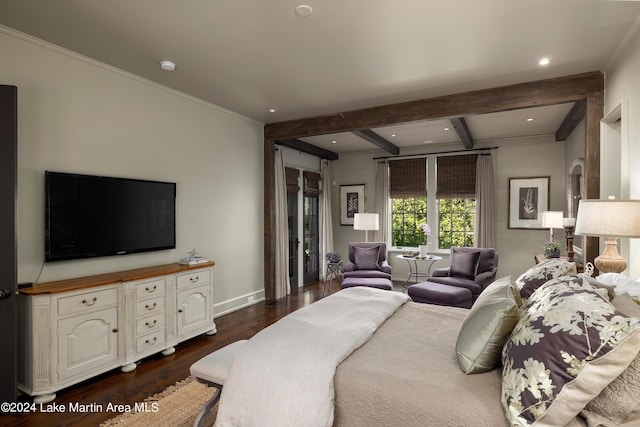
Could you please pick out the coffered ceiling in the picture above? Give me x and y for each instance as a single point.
(262, 60)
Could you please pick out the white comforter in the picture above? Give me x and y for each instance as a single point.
(284, 375)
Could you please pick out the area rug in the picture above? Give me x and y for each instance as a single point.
(177, 406)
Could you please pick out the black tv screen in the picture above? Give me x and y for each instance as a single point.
(92, 216)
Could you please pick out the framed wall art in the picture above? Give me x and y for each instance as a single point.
(528, 198)
(351, 202)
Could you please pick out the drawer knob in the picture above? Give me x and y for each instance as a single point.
(151, 325)
(90, 303)
(114, 330)
(153, 341)
(151, 290)
(194, 279)
(150, 307)
(180, 311)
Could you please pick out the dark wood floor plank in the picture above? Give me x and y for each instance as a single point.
(157, 372)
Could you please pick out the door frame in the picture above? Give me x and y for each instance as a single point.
(8, 257)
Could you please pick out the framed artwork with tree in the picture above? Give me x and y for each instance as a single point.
(351, 202)
(528, 198)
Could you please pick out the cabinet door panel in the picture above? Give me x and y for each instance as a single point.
(87, 342)
(194, 310)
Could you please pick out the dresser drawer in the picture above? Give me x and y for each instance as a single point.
(88, 301)
(155, 340)
(201, 277)
(150, 306)
(150, 324)
(149, 289)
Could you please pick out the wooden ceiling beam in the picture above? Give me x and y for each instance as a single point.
(575, 116)
(460, 125)
(374, 138)
(523, 95)
(305, 147)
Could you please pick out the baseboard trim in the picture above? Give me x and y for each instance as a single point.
(237, 303)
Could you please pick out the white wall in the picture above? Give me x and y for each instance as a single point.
(515, 158)
(623, 83)
(77, 115)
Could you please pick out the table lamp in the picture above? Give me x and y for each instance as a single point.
(611, 219)
(551, 220)
(365, 221)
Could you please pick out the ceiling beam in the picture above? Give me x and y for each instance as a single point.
(460, 125)
(523, 95)
(374, 138)
(305, 147)
(572, 120)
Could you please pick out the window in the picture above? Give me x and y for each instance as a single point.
(450, 207)
(456, 222)
(407, 215)
(408, 190)
(456, 189)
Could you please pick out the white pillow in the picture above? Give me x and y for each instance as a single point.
(621, 283)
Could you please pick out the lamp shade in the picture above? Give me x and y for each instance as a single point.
(613, 218)
(552, 219)
(365, 221)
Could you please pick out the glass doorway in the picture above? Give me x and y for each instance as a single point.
(294, 242)
(311, 240)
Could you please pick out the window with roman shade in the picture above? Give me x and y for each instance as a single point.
(407, 178)
(311, 184)
(291, 175)
(456, 177)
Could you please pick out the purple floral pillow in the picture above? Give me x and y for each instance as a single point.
(569, 344)
(541, 273)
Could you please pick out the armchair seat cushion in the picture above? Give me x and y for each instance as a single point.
(367, 273)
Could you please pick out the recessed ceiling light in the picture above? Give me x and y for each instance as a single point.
(530, 119)
(447, 129)
(334, 141)
(167, 65)
(304, 10)
(428, 141)
(272, 110)
(393, 135)
(544, 61)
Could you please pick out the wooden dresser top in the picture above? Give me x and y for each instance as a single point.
(110, 278)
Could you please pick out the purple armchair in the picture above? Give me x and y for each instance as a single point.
(367, 260)
(471, 268)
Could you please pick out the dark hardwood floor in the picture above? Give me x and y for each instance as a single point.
(156, 373)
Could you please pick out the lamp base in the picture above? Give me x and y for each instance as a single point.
(610, 261)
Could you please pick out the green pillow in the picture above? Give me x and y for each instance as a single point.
(487, 327)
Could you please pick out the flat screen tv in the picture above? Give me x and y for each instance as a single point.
(93, 216)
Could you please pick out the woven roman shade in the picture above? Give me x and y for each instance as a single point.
(292, 180)
(456, 177)
(407, 178)
(311, 184)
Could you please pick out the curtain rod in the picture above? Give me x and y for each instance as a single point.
(410, 156)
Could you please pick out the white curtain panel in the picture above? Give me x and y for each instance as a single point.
(282, 285)
(326, 223)
(485, 236)
(382, 202)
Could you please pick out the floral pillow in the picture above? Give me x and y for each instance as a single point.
(541, 273)
(569, 344)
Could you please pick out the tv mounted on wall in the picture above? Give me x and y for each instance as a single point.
(93, 216)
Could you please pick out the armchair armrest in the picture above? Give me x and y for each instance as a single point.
(349, 267)
(384, 266)
(441, 272)
(485, 278)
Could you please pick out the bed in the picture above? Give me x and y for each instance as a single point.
(401, 363)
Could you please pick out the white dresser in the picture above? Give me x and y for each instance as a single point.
(75, 329)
